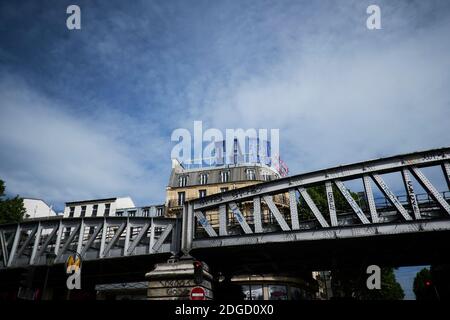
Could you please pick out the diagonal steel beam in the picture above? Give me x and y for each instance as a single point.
(205, 224)
(240, 218)
(313, 207)
(114, 239)
(391, 196)
(3, 248)
(15, 245)
(276, 213)
(446, 169)
(37, 240)
(58, 238)
(92, 238)
(351, 202)
(370, 199)
(427, 185)
(47, 241)
(67, 243)
(27, 241)
(138, 238)
(162, 238)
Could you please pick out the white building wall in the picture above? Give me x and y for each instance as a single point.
(124, 203)
(37, 208)
(119, 203)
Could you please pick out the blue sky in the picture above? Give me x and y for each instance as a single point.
(89, 113)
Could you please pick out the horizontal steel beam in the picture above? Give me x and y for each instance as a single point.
(324, 234)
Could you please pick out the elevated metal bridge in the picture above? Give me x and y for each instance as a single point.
(249, 218)
(242, 213)
(29, 242)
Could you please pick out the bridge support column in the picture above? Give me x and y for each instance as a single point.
(174, 280)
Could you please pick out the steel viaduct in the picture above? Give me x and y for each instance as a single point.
(408, 228)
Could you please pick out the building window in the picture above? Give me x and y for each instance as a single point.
(159, 211)
(250, 174)
(224, 189)
(252, 292)
(182, 181)
(119, 213)
(278, 292)
(94, 210)
(132, 213)
(107, 207)
(83, 211)
(146, 212)
(181, 198)
(201, 193)
(266, 176)
(224, 176)
(203, 178)
(72, 212)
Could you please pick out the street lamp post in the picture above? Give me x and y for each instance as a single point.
(50, 259)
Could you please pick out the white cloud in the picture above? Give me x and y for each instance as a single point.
(49, 153)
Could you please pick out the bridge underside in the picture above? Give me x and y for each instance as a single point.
(421, 248)
(114, 270)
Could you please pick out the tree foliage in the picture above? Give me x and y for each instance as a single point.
(11, 210)
(319, 197)
(423, 286)
(351, 283)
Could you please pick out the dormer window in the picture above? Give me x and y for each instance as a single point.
(203, 178)
(251, 175)
(182, 181)
(224, 176)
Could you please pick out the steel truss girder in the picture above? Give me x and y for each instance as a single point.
(35, 232)
(357, 231)
(351, 171)
(370, 170)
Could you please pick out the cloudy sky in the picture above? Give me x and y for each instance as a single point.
(89, 113)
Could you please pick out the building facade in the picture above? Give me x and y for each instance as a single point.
(37, 208)
(97, 207)
(188, 184)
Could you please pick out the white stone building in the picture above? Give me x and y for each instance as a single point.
(37, 208)
(97, 207)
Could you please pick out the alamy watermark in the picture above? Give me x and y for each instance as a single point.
(73, 270)
(213, 147)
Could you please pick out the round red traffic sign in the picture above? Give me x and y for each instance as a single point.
(198, 293)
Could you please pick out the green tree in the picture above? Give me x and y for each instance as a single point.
(319, 196)
(351, 283)
(423, 286)
(11, 210)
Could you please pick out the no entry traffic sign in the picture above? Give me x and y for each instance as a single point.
(198, 293)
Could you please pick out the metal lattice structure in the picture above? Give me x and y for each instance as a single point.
(29, 242)
(253, 215)
(270, 212)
